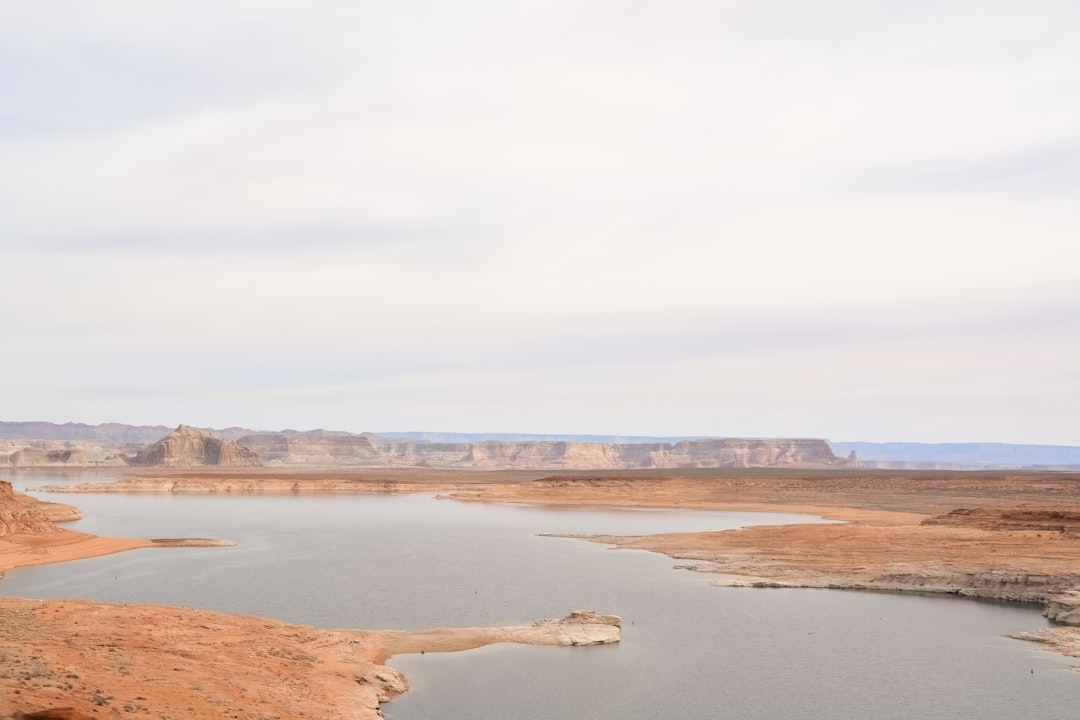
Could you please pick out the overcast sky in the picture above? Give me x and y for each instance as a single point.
(847, 219)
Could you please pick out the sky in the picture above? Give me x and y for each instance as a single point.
(856, 220)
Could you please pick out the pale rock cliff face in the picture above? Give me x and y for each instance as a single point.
(36, 457)
(739, 453)
(55, 453)
(311, 449)
(735, 453)
(188, 446)
(540, 454)
(422, 454)
(359, 451)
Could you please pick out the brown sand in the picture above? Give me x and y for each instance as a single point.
(22, 550)
(169, 662)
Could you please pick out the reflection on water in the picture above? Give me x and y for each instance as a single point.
(689, 650)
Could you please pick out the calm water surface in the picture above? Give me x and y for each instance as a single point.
(689, 650)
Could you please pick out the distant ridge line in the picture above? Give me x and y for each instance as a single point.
(455, 437)
(901, 455)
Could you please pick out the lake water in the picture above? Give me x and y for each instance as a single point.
(689, 650)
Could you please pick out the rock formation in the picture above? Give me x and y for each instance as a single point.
(187, 446)
(364, 451)
(23, 515)
(583, 627)
(312, 449)
(61, 454)
(36, 457)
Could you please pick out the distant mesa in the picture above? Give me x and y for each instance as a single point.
(193, 447)
(34, 457)
(75, 445)
(187, 446)
(314, 448)
(321, 449)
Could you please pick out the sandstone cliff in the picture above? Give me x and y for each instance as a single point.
(187, 446)
(31, 456)
(312, 449)
(54, 453)
(364, 451)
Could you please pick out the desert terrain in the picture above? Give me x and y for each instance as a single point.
(1006, 535)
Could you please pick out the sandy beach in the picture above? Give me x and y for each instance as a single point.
(24, 550)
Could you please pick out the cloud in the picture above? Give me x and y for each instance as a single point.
(416, 215)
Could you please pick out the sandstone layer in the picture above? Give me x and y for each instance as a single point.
(18, 454)
(372, 451)
(192, 447)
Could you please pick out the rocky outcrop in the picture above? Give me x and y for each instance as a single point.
(583, 627)
(23, 515)
(1064, 607)
(1065, 640)
(187, 446)
(1058, 595)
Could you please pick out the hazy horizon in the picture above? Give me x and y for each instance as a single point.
(455, 436)
(844, 220)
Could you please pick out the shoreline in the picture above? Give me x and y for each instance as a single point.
(174, 662)
(72, 657)
(26, 550)
(893, 536)
(901, 534)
